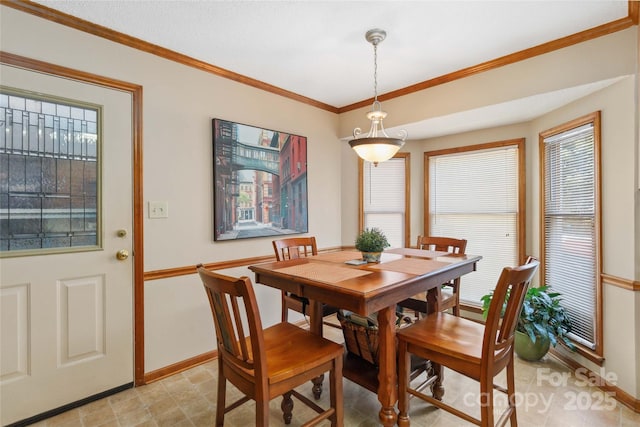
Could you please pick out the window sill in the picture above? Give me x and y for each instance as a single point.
(583, 351)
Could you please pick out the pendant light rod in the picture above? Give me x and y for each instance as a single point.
(374, 37)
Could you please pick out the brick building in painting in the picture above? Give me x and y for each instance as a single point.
(293, 183)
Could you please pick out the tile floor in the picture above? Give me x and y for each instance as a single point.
(550, 395)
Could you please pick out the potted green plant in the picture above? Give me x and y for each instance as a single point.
(371, 242)
(543, 321)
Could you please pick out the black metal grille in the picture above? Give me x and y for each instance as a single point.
(48, 174)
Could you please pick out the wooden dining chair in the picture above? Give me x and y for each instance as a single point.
(477, 351)
(291, 248)
(264, 364)
(448, 294)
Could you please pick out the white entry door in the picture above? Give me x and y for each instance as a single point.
(66, 318)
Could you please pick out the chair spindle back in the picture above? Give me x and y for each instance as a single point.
(295, 247)
(505, 307)
(445, 244)
(231, 299)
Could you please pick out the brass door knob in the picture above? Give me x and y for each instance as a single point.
(122, 254)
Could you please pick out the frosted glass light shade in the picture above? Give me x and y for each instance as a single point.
(376, 150)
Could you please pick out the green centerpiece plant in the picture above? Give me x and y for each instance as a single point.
(543, 321)
(371, 242)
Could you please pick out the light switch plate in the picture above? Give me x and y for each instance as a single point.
(158, 210)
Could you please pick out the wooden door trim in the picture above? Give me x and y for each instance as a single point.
(138, 211)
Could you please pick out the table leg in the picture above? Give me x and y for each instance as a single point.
(315, 317)
(387, 374)
(437, 389)
(433, 299)
(315, 326)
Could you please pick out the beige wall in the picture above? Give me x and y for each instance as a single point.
(611, 57)
(179, 103)
(608, 57)
(599, 59)
(637, 208)
(619, 232)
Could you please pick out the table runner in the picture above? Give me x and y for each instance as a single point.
(410, 265)
(326, 273)
(424, 253)
(341, 256)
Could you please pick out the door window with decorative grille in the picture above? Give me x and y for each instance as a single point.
(49, 174)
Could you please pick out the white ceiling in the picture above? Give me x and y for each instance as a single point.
(317, 48)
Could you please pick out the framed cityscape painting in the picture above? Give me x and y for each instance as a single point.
(260, 182)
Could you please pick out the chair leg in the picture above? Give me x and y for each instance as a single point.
(511, 392)
(287, 407)
(486, 402)
(456, 308)
(336, 393)
(285, 309)
(317, 386)
(222, 391)
(404, 360)
(262, 412)
(437, 388)
(456, 299)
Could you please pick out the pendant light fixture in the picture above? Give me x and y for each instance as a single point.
(376, 146)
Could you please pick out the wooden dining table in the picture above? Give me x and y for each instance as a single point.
(366, 289)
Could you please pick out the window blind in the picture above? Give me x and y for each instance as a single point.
(384, 199)
(570, 226)
(473, 195)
